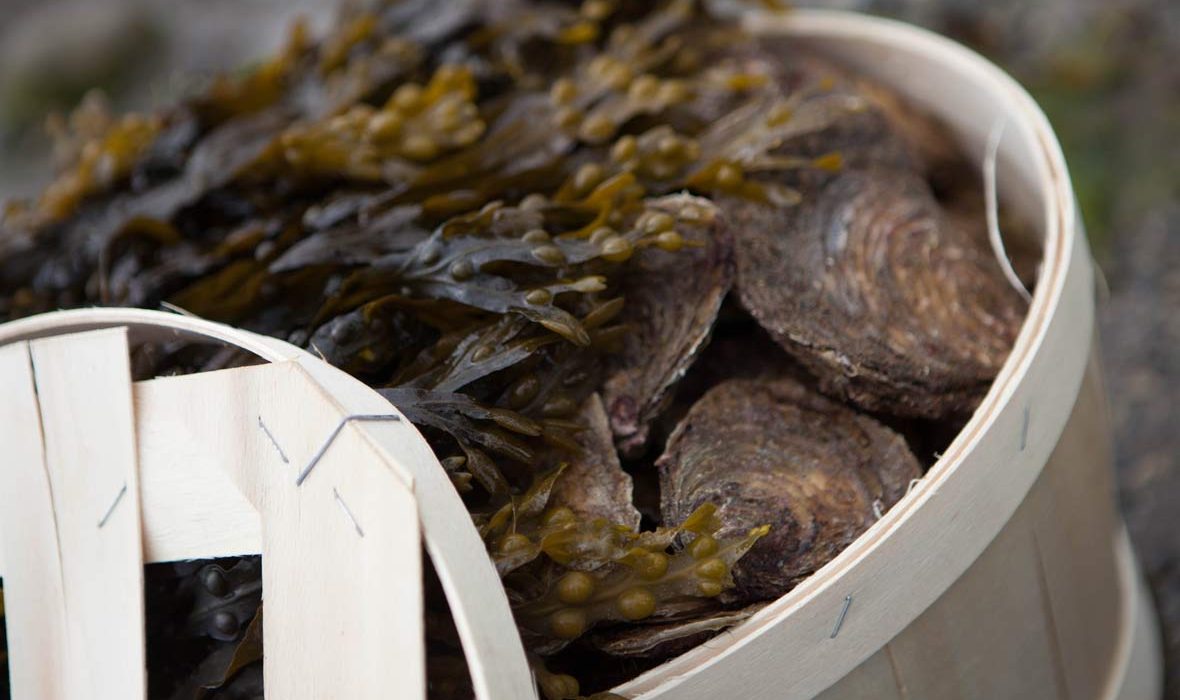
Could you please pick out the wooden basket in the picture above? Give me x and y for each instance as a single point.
(1005, 573)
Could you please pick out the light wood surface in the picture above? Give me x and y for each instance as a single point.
(1134, 668)
(1076, 522)
(192, 510)
(81, 541)
(342, 570)
(84, 390)
(34, 599)
(202, 447)
(988, 636)
(473, 589)
(1139, 675)
(1044, 611)
(875, 678)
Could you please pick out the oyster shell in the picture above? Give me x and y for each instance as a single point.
(672, 300)
(876, 128)
(593, 484)
(771, 451)
(892, 303)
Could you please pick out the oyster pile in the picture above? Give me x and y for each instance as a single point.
(681, 311)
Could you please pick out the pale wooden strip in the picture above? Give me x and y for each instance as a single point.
(1076, 525)
(84, 388)
(872, 679)
(342, 570)
(34, 601)
(1137, 673)
(342, 578)
(475, 594)
(480, 607)
(191, 509)
(144, 325)
(483, 617)
(990, 635)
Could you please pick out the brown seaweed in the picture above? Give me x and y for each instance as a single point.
(669, 636)
(771, 450)
(639, 578)
(347, 244)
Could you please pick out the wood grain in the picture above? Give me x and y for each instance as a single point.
(191, 510)
(73, 532)
(874, 678)
(990, 635)
(300, 403)
(1076, 522)
(34, 600)
(351, 625)
(184, 448)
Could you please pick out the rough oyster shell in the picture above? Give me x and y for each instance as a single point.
(672, 300)
(893, 304)
(771, 451)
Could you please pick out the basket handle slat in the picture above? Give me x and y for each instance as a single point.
(475, 594)
(70, 519)
(33, 598)
(341, 553)
(171, 464)
(216, 508)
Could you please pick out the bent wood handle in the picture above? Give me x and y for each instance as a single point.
(341, 565)
(341, 553)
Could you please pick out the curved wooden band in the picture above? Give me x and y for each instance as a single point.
(217, 456)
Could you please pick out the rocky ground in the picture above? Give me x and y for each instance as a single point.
(140, 52)
(1106, 71)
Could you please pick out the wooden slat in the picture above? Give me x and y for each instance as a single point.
(1077, 524)
(1139, 674)
(84, 386)
(181, 467)
(478, 603)
(875, 678)
(475, 594)
(191, 509)
(342, 578)
(990, 635)
(33, 595)
(342, 570)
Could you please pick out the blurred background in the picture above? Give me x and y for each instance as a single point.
(1106, 71)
